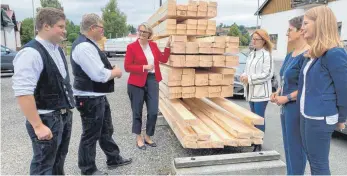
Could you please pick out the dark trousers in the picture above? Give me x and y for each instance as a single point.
(49, 155)
(294, 152)
(259, 109)
(316, 136)
(97, 126)
(149, 94)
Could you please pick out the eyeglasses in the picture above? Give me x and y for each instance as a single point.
(292, 30)
(257, 39)
(141, 31)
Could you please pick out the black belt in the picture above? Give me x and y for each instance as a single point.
(89, 97)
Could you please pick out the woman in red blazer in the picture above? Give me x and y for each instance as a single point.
(142, 61)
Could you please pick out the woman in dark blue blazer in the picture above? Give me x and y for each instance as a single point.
(286, 98)
(322, 95)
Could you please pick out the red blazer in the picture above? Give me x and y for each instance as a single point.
(135, 59)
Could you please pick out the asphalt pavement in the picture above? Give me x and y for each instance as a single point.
(16, 151)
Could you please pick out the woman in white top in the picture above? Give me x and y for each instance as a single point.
(257, 76)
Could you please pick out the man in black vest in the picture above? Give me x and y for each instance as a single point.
(94, 78)
(42, 86)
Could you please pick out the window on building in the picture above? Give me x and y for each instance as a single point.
(274, 38)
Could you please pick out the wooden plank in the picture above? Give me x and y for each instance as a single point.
(178, 48)
(181, 112)
(188, 80)
(202, 134)
(212, 4)
(191, 31)
(181, 31)
(181, 13)
(201, 32)
(201, 78)
(201, 92)
(232, 50)
(218, 64)
(229, 124)
(206, 64)
(193, 7)
(202, 27)
(192, 48)
(228, 139)
(211, 32)
(183, 134)
(228, 80)
(224, 71)
(232, 63)
(201, 14)
(170, 92)
(202, 6)
(182, 7)
(214, 89)
(205, 44)
(176, 63)
(218, 50)
(218, 45)
(227, 91)
(211, 12)
(213, 39)
(181, 26)
(205, 50)
(192, 14)
(231, 39)
(215, 79)
(167, 10)
(188, 71)
(192, 61)
(239, 111)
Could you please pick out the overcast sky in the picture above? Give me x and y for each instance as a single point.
(138, 11)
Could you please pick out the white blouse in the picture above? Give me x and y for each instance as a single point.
(149, 56)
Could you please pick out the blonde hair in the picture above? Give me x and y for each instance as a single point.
(265, 36)
(147, 28)
(325, 29)
(89, 20)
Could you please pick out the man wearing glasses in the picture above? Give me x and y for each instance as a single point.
(93, 79)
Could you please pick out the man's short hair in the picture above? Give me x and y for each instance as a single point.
(48, 16)
(89, 20)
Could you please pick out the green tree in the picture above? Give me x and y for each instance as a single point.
(50, 3)
(234, 31)
(114, 20)
(27, 30)
(72, 37)
(131, 29)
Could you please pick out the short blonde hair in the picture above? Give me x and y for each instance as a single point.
(325, 29)
(265, 36)
(89, 20)
(147, 28)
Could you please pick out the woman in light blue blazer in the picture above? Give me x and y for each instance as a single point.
(322, 93)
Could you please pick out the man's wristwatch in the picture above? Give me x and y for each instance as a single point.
(289, 97)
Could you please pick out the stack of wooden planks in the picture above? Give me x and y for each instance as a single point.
(211, 123)
(198, 76)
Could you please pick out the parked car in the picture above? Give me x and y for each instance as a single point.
(117, 45)
(7, 56)
(238, 86)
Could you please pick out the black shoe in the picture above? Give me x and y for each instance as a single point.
(257, 148)
(152, 144)
(141, 147)
(97, 172)
(120, 162)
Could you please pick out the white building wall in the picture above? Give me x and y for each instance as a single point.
(339, 9)
(8, 34)
(277, 23)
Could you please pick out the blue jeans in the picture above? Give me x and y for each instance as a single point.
(316, 136)
(49, 155)
(259, 109)
(294, 152)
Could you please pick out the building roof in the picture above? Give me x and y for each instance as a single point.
(261, 8)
